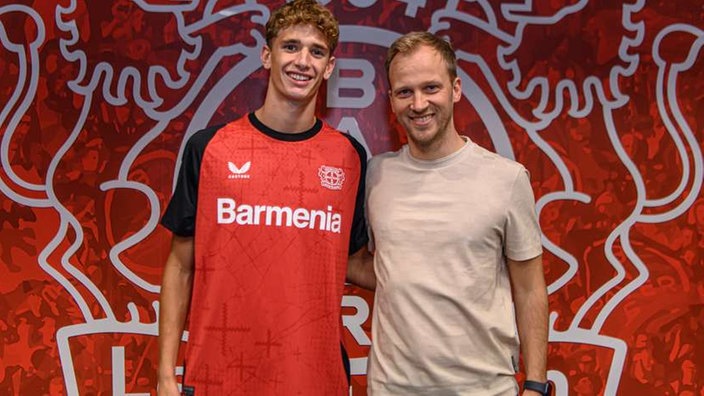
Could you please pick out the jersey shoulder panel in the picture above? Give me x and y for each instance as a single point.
(359, 237)
(180, 213)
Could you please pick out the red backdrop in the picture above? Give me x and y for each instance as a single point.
(601, 100)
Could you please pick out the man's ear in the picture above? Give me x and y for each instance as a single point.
(457, 90)
(266, 57)
(329, 68)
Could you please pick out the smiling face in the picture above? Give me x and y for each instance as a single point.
(422, 97)
(298, 60)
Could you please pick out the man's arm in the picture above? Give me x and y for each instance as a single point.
(360, 269)
(174, 300)
(530, 298)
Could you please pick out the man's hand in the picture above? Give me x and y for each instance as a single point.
(360, 269)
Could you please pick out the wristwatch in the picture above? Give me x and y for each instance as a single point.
(544, 388)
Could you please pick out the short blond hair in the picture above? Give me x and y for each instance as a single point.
(410, 42)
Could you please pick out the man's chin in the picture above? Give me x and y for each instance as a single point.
(300, 97)
(422, 138)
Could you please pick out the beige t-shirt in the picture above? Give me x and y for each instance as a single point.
(443, 321)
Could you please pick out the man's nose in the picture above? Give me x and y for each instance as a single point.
(303, 58)
(419, 102)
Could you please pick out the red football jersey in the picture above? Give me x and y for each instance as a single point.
(274, 218)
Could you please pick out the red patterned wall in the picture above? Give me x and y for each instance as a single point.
(601, 100)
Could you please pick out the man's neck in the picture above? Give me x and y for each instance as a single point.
(287, 117)
(450, 144)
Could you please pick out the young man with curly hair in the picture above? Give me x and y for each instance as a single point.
(266, 211)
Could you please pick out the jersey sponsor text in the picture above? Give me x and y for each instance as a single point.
(279, 216)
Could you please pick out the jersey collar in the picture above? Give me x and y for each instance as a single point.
(288, 137)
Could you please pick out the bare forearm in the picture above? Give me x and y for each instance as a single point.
(531, 302)
(173, 307)
(174, 301)
(532, 321)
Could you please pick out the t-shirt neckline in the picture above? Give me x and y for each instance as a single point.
(438, 162)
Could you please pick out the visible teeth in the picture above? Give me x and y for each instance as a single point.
(423, 119)
(299, 77)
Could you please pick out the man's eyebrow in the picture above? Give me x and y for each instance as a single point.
(314, 45)
(320, 46)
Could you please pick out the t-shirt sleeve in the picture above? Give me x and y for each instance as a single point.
(358, 234)
(180, 214)
(522, 230)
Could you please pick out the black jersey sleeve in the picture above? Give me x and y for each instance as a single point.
(180, 214)
(358, 235)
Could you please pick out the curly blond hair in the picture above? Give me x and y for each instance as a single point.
(304, 12)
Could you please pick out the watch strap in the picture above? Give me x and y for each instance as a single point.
(541, 387)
